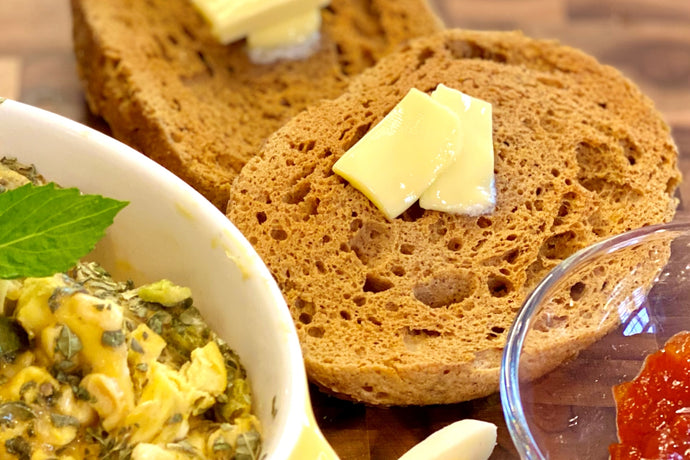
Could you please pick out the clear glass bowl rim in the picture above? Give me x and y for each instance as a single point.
(511, 400)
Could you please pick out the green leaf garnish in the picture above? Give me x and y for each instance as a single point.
(46, 230)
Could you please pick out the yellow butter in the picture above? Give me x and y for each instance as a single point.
(290, 31)
(467, 187)
(233, 20)
(403, 154)
(466, 439)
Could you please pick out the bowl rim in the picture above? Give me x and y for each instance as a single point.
(509, 383)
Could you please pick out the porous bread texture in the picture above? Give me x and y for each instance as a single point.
(415, 310)
(166, 87)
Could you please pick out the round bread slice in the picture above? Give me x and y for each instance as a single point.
(153, 70)
(416, 310)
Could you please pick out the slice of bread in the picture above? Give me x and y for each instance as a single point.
(416, 310)
(166, 87)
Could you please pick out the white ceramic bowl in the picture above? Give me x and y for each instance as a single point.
(170, 231)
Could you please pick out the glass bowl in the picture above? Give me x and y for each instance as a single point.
(586, 327)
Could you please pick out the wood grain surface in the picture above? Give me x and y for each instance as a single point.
(648, 40)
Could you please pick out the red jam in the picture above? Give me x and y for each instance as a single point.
(653, 410)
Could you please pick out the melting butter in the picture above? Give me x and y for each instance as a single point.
(467, 187)
(290, 31)
(398, 159)
(271, 20)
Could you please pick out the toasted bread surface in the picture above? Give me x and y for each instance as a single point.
(415, 310)
(166, 87)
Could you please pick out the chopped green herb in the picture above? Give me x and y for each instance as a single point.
(182, 446)
(142, 367)
(61, 292)
(221, 444)
(82, 393)
(65, 365)
(113, 338)
(158, 320)
(15, 410)
(68, 343)
(19, 447)
(45, 230)
(136, 346)
(175, 418)
(61, 421)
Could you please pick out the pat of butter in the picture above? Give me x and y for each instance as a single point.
(467, 187)
(290, 31)
(403, 154)
(236, 19)
(464, 440)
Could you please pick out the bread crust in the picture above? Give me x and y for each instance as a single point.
(415, 310)
(167, 88)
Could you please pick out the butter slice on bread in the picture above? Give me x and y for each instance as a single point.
(168, 88)
(415, 310)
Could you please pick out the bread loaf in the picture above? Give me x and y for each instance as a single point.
(416, 310)
(166, 87)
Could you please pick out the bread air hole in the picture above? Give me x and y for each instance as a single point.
(499, 286)
(307, 146)
(466, 49)
(372, 239)
(310, 207)
(359, 133)
(298, 193)
(305, 306)
(445, 289)
(560, 246)
(407, 249)
(279, 234)
(412, 214)
(577, 290)
(483, 222)
(375, 283)
(455, 244)
(304, 318)
(316, 332)
(630, 150)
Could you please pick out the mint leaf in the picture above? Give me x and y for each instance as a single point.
(46, 230)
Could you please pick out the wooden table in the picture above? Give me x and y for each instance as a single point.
(649, 40)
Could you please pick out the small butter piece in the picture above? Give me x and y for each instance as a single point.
(295, 37)
(467, 187)
(403, 154)
(236, 19)
(464, 440)
(290, 31)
